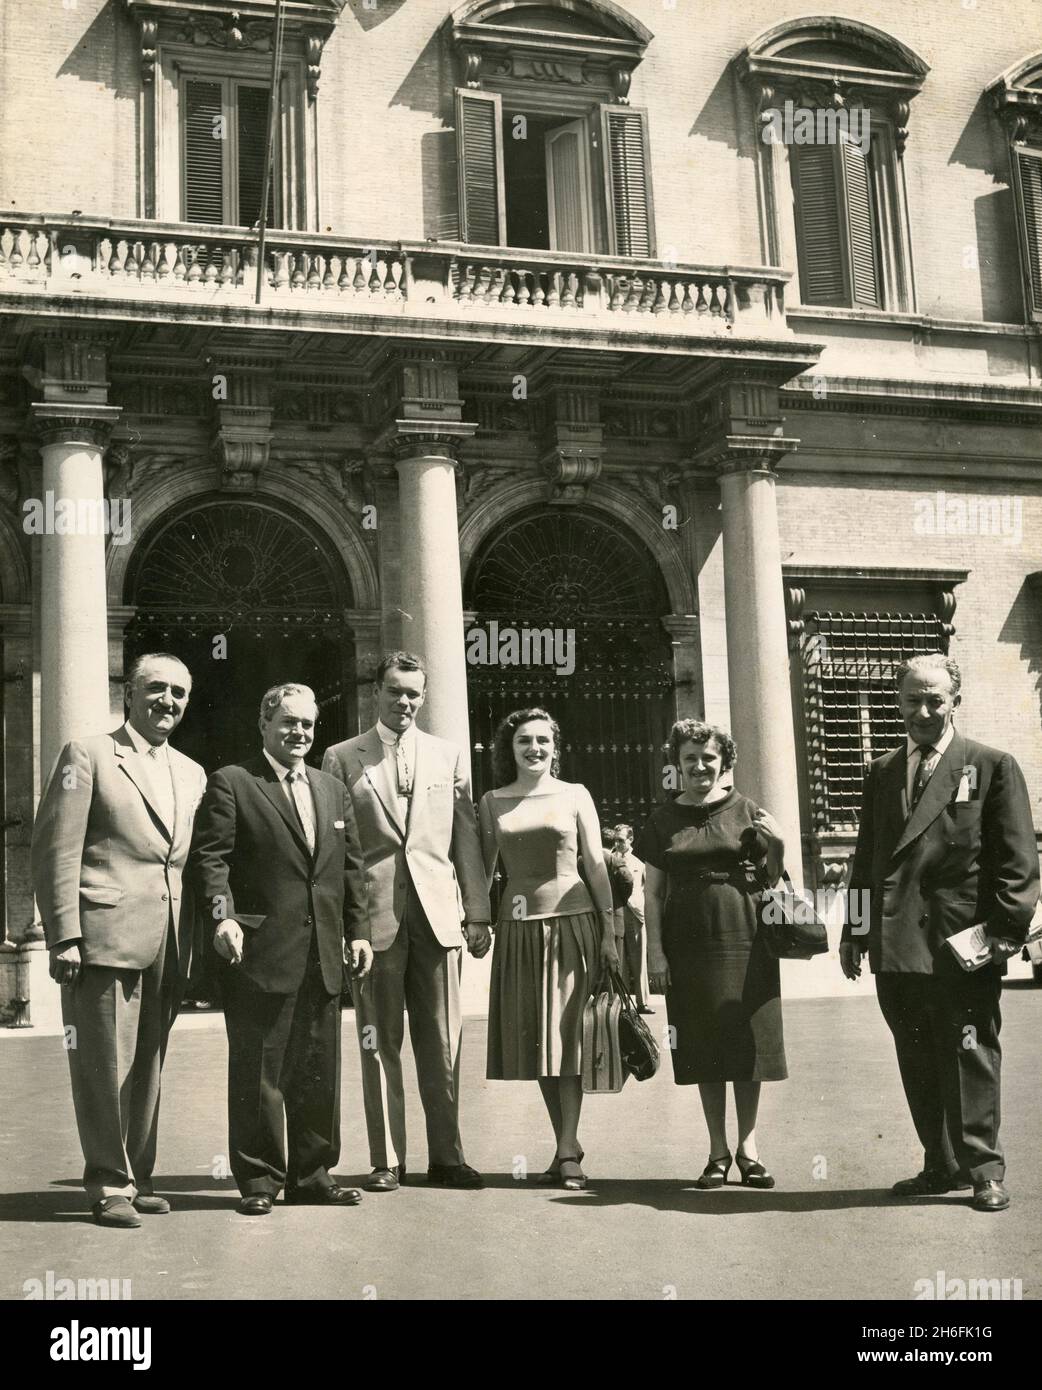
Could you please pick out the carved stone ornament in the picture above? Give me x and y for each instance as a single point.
(571, 474)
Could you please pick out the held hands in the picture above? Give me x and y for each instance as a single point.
(658, 972)
(850, 959)
(479, 938)
(358, 957)
(66, 963)
(227, 941)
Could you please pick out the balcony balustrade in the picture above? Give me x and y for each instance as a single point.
(150, 264)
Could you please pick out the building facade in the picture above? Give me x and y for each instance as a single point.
(641, 361)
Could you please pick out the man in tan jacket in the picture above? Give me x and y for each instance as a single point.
(109, 847)
(424, 877)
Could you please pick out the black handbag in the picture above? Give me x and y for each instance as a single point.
(640, 1051)
(789, 923)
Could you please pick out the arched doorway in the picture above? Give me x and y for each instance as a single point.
(566, 570)
(246, 594)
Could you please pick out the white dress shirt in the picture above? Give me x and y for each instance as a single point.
(406, 745)
(154, 767)
(915, 757)
(305, 807)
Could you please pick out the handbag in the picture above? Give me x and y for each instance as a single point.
(789, 923)
(603, 1070)
(640, 1051)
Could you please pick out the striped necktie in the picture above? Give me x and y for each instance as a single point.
(921, 775)
(298, 790)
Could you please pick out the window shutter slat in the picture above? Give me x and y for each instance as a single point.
(628, 180)
(203, 153)
(1029, 179)
(479, 157)
(252, 130)
(818, 227)
(864, 272)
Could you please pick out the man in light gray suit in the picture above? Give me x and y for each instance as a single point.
(110, 842)
(424, 876)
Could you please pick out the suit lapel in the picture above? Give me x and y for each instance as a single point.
(322, 799)
(936, 794)
(374, 767)
(276, 794)
(128, 759)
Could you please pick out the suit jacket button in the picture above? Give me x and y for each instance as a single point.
(165, 897)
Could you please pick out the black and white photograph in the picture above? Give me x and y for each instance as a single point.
(521, 651)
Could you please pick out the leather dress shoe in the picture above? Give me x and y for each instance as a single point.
(151, 1204)
(385, 1179)
(454, 1175)
(256, 1204)
(330, 1196)
(989, 1196)
(115, 1211)
(931, 1182)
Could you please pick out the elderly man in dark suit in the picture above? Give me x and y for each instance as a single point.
(276, 860)
(109, 846)
(945, 842)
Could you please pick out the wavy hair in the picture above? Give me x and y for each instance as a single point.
(694, 731)
(504, 764)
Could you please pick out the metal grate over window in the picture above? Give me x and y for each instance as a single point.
(849, 662)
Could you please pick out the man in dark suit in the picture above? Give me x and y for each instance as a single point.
(276, 859)
(945, 842)
(109, 847)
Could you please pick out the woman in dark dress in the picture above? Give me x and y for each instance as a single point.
(708, 854)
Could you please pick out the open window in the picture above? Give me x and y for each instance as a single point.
(1017, 95)
(833, 100)
(550, 154)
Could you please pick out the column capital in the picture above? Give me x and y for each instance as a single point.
(680, 626)
(416, 439)
(61, 422)
(752, 454)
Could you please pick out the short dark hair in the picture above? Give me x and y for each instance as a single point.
(622, 829)
(929, 661)
(404, 661)
(504, 764)
(694, 731)
(138, 664)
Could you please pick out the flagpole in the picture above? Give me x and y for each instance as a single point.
(269, 144)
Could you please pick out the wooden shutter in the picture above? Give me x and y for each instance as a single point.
(1028, 169)
(479, 167)
(568, 187)
(819, 231)
(627, 180)
(861, 226)
(204, 180)
(251, 126)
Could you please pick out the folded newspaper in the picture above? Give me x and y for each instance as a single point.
(974, 948)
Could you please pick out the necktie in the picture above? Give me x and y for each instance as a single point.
(402, 767)
(921, 775)
(161, 784)
(298, 789)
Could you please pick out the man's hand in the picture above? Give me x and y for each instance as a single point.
(227, 941)
(658, 973)
(479, 938)
(850, 959)
(66, 963)
(358, 957)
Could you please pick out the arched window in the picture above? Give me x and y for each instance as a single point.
(550, 153)
(1017, 95)
(833, 99)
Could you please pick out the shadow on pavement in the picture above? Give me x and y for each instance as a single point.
(665, 1195)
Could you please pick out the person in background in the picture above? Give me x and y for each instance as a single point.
(552, 937)
(621, 882)
(634, 954)
(707, 855)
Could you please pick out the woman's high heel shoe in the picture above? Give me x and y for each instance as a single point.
(754, 1174)
(715, 1172)
(574, 1181)
(554, 1171)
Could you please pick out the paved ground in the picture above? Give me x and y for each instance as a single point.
(836, 1135)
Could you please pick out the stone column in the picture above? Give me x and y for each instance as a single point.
(757, 645)
(367, 628)
(73, 623)
(431, 585)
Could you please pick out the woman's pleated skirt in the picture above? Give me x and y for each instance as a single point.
(543, 971)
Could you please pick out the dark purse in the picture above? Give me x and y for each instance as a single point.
(640, 1052)
(789, 923)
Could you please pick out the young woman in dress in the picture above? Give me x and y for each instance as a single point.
(552, 938)
(707, 854)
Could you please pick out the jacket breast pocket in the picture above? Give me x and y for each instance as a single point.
(101, 894)
(960, 824)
